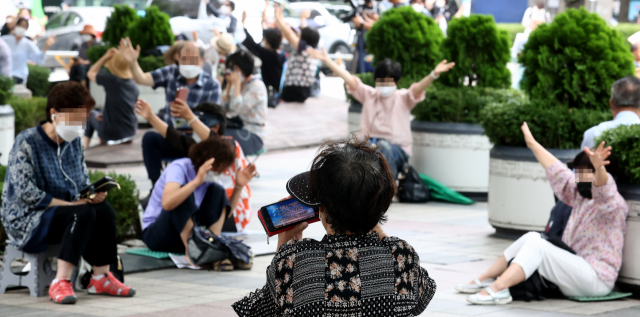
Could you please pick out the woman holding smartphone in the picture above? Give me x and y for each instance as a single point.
(41, 202)
(356, 269)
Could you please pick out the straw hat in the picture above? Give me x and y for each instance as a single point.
(88, 29)
(168, 55)
(224, 44)
(118, 66)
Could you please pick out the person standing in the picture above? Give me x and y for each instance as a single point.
(224, 13)
(535, 16)
(117, 123)
(81, 64)
(267, 51)
(24, 50)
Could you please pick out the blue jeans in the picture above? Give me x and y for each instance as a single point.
(393, 153)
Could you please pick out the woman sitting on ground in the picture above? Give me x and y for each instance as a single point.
(595, 231)
(356, 269)
(41, 204)
(245, 96)
(189, 190)
(117, 123)
(386, 111)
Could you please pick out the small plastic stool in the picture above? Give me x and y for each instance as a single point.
(38, 277)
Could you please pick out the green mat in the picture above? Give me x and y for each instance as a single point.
(444, 193)
(149, 253)
(611, 296)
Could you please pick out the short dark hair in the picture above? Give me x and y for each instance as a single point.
(232, 5)
(388, 69)
(625, 92)
(220, 148)
(68, 95)
(273, 36)
(243, 60)
(211, 108)
(354, 184)
(20, 20)
(582, 161)
(311, 36)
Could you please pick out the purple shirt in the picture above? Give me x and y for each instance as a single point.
(596, 227)
(180, 171)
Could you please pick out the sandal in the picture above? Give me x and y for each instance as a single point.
(223, 265)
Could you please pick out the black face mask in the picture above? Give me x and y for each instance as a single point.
(584, 189)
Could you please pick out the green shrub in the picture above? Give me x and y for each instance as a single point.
(125, 202)
(28, 112)
(481, 53)
(556, 127)
(152, 30)
(627, 29)
(573, 61)
(624, 142)
(94, 53)
(407, 37)
(38, 80)
(6, 88)
(512, 30)
(445, 104)
(118, 24)
(149, 63)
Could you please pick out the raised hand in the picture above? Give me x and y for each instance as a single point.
(143, 109)
(528, 137)
(319, 55)
(109, 54)
(180, 109)
(245, 175)
(598, 157)
(128, 52)
(50, 41)
(305, 14)
(443, 67)
(203, 170)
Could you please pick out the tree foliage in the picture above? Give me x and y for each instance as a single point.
(481, 53)
(407, 37)
(118, 24)
(624, 142)
(152, 30)
(573, 61)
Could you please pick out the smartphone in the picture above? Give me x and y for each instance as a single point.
(182, 93)
(285, 215)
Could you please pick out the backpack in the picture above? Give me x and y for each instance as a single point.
(411, 188)
(558, 219)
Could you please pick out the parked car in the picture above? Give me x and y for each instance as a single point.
(66, 25)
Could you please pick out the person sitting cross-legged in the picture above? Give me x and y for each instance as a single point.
(41, 203)
(594, 232)
(188, 193)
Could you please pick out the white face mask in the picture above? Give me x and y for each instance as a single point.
(86, 37)
(67, 132)
(386, 91)
(19, 31)
(440, 3)
(213, 177)
(190, 71)
(225, 10)
(418, 7)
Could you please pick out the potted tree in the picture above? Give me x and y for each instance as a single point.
(624, 142)
(570, 66)
(150, 31)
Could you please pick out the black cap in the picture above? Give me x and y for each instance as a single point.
(298, 188)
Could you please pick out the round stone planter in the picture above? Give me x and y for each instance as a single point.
(355, 112)
(630, 270)
(155, 98)
(454, 154)
(520, 196)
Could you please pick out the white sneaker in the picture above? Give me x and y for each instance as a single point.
(500, 298)
(474, 288)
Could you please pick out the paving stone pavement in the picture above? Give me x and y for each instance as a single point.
(455, 244)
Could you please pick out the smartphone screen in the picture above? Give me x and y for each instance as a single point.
(288, 212)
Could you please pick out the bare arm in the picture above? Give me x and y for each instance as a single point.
(542, 155)
(181, 109)
(599, 160)
(95, 68)
(173, 195)
(287, 32)
(304, 15)
(428, 80)
(144, 110)
(349, 80)
(131, 56)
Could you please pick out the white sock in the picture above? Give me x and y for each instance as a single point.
(97, 277)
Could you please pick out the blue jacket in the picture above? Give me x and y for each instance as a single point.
(34, 177)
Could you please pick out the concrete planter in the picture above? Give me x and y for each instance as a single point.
(520, 196)
(155, 98)
(630, 270)
(7, 133)
(454, 154)
(355, 112)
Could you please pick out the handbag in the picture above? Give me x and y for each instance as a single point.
(205, 247)
(411, 188)
(273, 98)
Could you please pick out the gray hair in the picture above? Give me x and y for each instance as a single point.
(200, 49)
(625, 92)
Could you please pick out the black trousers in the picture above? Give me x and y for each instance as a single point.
(85, 230)
(164, 234)
(295, 93)
(154, 149)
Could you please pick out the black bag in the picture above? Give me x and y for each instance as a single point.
(273, 99)
(205, 247)
(235, 123)
(411, 188)
(558, 219)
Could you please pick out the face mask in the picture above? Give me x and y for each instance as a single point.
(68, 132)
(386, 91)
(225, 10)
(440, 3)
(242, 78)
(86, 37)
(584, 189)
(417, 7)
(19, 31)
(190, 71)
(213, 177)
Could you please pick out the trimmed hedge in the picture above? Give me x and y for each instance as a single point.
(624, 142)
(512, 30)
(117, 26)
(152, 30)
(6, 88)
(125, 202)
(147, 63)
(28, 112)
(557, 127)
(627, 29)
(38, 80)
